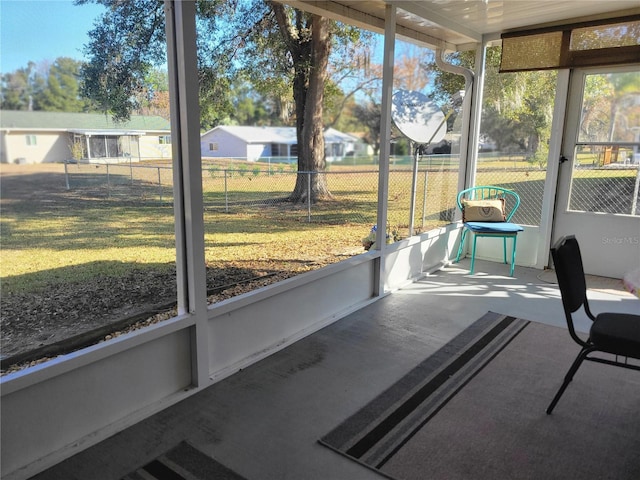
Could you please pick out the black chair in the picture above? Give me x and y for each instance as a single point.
(613, 333)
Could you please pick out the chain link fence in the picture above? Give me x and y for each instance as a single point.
(242, 188)
(236, 188)
(429, 192)
(606, 189)
(124, 181)
(528, 183)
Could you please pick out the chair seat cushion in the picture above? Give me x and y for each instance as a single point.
(493, 227)
(617, 333)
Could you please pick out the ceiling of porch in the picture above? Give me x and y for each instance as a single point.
(459, 24)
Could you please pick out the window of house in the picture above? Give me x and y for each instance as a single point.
(334, 150)
(31, 140)
(213, 147)
(164, 139)
(278, 150)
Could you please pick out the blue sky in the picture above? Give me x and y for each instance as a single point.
(38, 30)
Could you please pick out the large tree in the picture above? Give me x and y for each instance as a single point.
(279, 49)
(308, 41)
(18, 89)
(50, 86)
(517, 107)
(123, 49)
(62, 92)
(369, 114)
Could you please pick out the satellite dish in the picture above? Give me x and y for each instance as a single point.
(417, 117)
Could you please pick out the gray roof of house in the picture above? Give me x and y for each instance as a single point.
(259, 134)
(285, 135)
(66, 121)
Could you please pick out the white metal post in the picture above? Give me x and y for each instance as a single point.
(476, 113)
(385, 137)
(187, 168)
(414, 186)
(553, 168)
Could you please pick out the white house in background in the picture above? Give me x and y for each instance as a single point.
(254, 143)
(338, 145)
(46, 137)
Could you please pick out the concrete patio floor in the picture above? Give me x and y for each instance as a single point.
(265, 421)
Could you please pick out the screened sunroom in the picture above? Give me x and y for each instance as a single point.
(254, 381)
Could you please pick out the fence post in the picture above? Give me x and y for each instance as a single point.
(159, 184)
(226, 197)
(108, 183)
(66, 175)
(636, 187)
(424, 196)
(414, 186)
(309, 197)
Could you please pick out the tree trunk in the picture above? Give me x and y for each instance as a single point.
(308, 92)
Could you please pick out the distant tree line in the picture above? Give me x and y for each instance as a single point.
(50, 87)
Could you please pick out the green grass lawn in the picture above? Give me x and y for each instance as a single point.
(70, 237)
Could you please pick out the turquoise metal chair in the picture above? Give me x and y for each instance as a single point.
(498, 229)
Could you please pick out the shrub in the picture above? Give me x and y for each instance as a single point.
(213, 171)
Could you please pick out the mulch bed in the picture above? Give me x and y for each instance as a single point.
(66, 317)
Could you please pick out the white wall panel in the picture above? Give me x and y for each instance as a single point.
(49, 147)
(52, 415)
(247, 328)
(150, 147)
